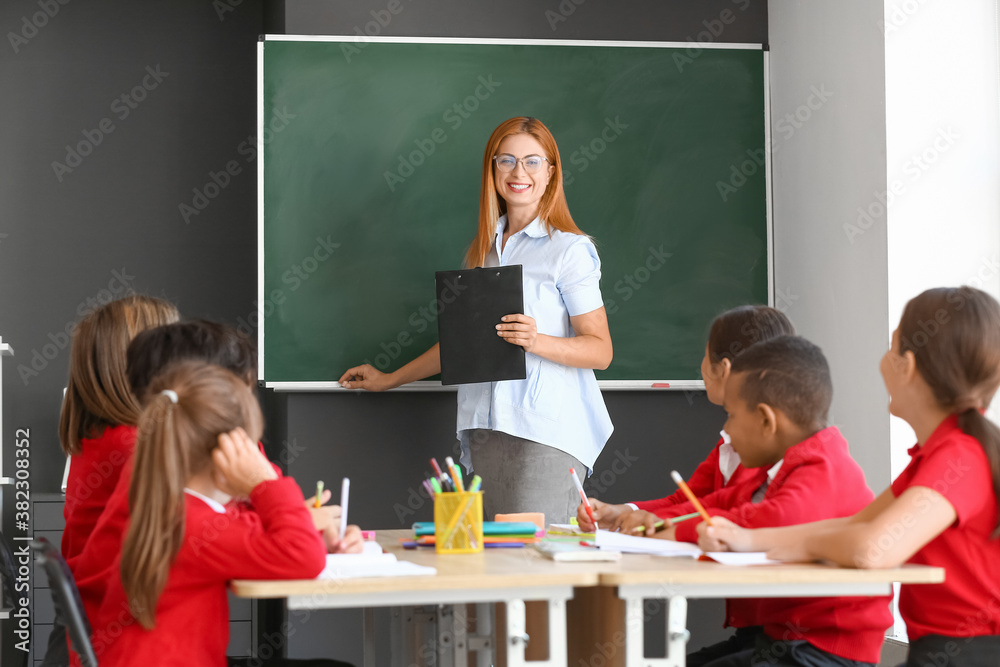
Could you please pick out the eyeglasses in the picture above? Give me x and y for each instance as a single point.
(532, 163)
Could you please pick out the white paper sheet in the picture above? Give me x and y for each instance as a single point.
(736, 558)
(645, 545)
(348, 566)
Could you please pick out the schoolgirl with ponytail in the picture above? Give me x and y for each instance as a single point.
(196, 450)
(941, 373)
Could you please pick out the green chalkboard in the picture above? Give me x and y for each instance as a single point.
(372, 156)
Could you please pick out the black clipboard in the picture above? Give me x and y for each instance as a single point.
(471, 303)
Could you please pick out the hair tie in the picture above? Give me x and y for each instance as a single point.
(967, 404)
(171, 394)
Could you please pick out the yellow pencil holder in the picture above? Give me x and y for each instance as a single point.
(458, 522)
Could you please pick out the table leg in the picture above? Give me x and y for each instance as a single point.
(368, 623)
(482, 641)
(677, 632)
(515, 637)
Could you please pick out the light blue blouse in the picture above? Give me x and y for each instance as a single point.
(555, 405)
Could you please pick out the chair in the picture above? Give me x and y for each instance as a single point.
(69, 607)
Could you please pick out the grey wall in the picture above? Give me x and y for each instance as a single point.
(829, 159)
(114, 219)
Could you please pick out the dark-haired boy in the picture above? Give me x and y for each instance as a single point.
(777, 399)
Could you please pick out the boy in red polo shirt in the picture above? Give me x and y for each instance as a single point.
(941, 373)
(777, 398)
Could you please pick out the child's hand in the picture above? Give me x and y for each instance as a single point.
(353, 542)
(604, 514)
(628, 522)
(325, 516)
(724, 536)
(666, 533)
(239, 464)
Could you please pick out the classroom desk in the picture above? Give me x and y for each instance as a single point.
(640, 578)
(508, 576)
(608, 612)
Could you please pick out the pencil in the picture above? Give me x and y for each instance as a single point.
(694, 500)
(319, 494)
(658, 524)
(674, 520)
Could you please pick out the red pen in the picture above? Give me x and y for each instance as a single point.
(437, 468)
(583, 496)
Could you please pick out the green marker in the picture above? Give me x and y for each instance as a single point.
(436, 485)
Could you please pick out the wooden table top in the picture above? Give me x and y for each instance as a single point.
(493, 568)
(525, 567)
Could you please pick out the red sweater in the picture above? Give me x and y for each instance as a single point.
(276, 540)
(93, 475)
(818, 480)
(967, 604)
(707, 478)
(92, 567)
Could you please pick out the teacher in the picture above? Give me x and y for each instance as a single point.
(523, 436)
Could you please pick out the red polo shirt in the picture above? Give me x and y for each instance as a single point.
(968, 602)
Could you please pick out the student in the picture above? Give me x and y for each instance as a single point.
(148, 355)
(97, 422)
(99, 412)
(196, 450)
(941, 373)
(777, 397)
(731, 333)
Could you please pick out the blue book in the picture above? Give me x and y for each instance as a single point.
(493, 528)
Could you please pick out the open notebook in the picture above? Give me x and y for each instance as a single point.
(645, 545)
(371, 563)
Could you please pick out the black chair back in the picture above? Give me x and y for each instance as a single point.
(65, 596)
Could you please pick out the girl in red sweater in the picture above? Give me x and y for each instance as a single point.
(99, 412)
(196, 451)
(731, 333)
(941, 373)
(97, 423)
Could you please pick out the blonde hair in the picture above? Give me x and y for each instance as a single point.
(97, 392)
(552, 209)
(175, 442)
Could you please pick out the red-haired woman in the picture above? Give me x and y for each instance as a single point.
(522, 436)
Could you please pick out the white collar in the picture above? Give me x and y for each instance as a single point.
(535, 228)
(773, 470)
(216, 506)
